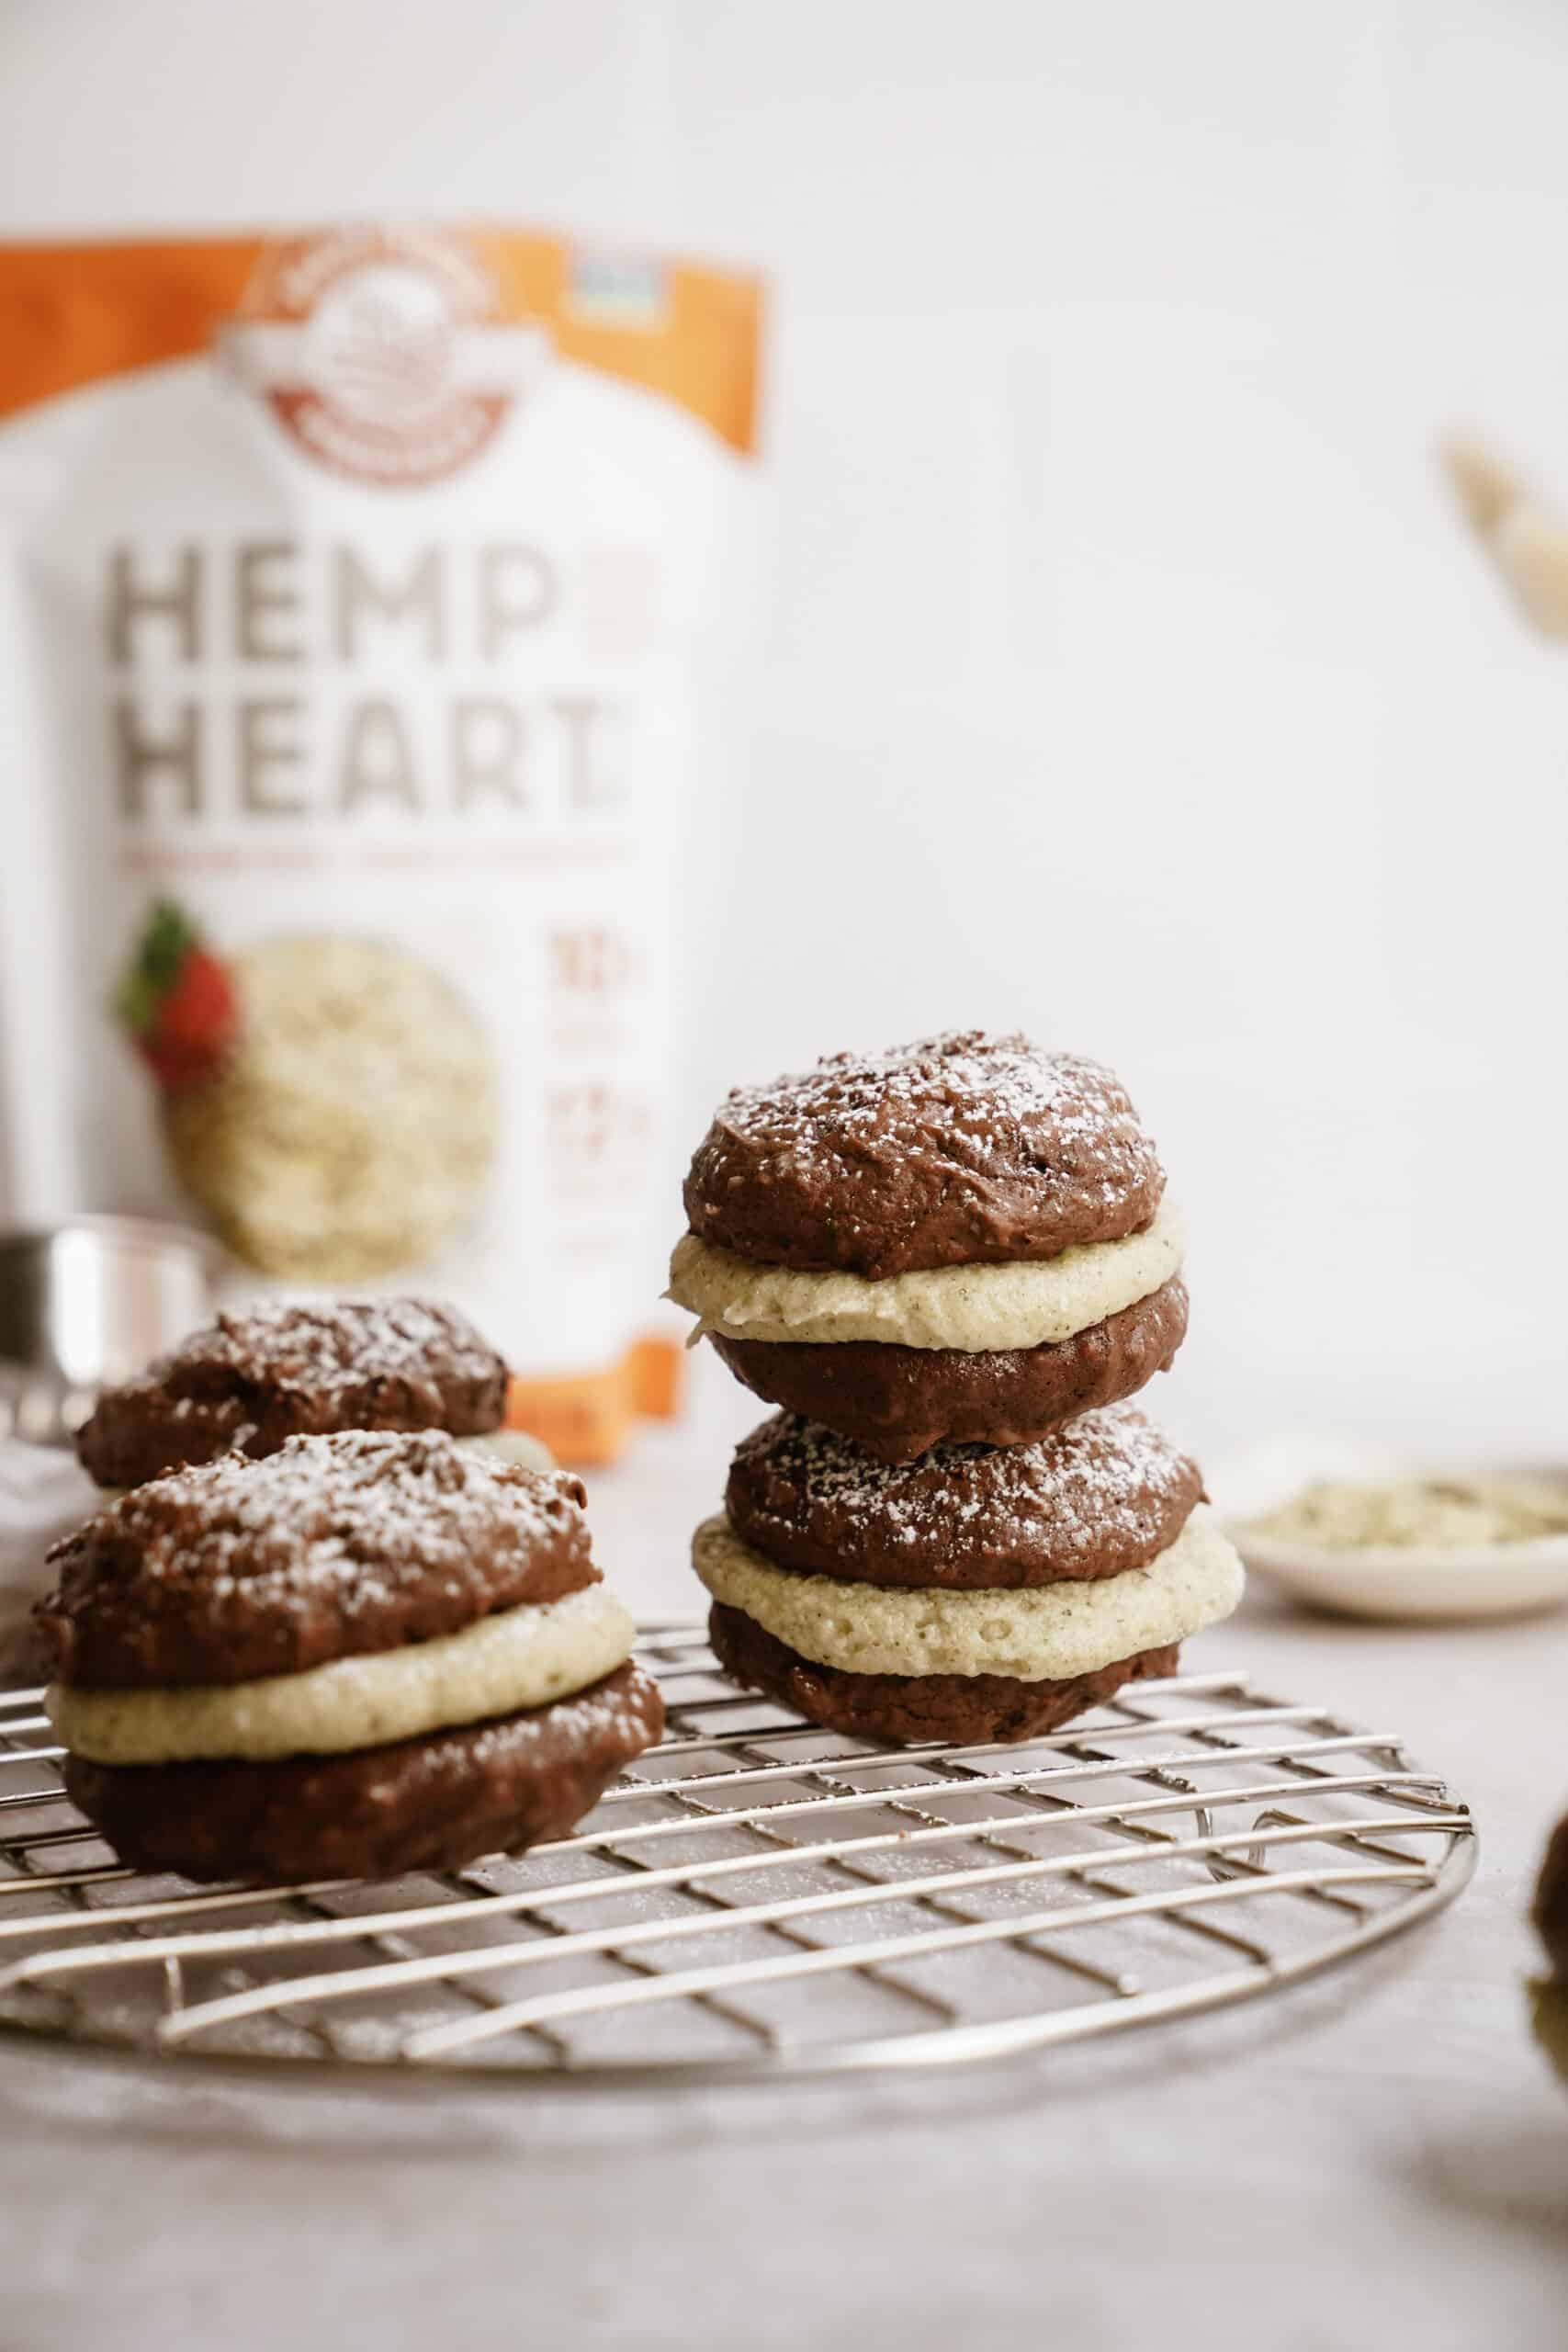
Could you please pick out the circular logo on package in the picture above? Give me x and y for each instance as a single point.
(388, 355)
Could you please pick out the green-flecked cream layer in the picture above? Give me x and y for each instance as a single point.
(972, 1308)
(520, 1657)
(1041, 1634)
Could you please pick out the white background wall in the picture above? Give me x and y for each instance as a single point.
(1127, 676)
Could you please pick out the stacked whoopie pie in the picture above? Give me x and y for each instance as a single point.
(331, 1625)
(951, 1263)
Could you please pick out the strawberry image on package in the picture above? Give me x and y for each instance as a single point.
(178, 1001)
(359, 595)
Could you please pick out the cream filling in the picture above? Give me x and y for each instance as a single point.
(516, 1447)
(506, 1446)
(1043, 1633)
(969, 1308)
(520, 1657)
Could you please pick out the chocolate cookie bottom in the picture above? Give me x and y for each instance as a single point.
(896, 1402)
(959, 1708)
(430, 1803)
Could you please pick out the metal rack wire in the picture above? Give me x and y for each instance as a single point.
(761, 1897)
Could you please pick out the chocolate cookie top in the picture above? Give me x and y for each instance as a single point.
(332, 1547)
(251, 1382)
(963, 1149)
(1104, 1494)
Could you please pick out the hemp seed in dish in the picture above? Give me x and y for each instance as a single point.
(1426, 1514)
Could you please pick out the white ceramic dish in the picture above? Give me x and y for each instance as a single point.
(1441, 1584)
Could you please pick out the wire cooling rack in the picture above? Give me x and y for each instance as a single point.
(759, 1896)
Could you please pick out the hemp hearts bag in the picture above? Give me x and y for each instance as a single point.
(354, 592)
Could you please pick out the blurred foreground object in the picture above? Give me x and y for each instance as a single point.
(1527, 541)
(1551, 1912)
(87, 1302)
(1549, 1995)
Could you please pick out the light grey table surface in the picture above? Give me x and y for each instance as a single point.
(1377, 2159)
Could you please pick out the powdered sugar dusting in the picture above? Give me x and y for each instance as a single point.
(336, 1344)
(965, 1148)
(353, 1522)
(1101, 1487)
(279, 1370)
(986, 1088)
